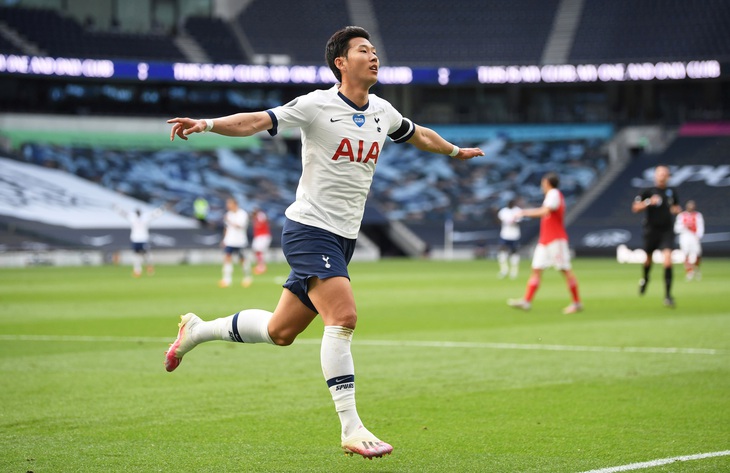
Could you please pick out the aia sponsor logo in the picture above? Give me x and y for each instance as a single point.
(359, 152)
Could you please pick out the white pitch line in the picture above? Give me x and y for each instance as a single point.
(398, 343)
(660, 462)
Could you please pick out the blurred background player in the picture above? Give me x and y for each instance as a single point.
(235, 242)
(509, 239)
(261, 239)
(140, 237)
(690, 226)
(660, 203)
(200, 210)
(552, 248)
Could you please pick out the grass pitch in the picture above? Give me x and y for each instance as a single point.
(448, 374)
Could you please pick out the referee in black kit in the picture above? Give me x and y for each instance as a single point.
(661, 204)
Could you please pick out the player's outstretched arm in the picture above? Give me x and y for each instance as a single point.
(537, 212)
(239, 124)
(426, 139)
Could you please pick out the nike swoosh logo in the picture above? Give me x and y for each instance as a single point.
(339, 380)
(333, 120)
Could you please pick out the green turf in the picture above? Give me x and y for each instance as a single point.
(446, 372)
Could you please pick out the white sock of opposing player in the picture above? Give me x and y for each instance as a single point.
(246, 265)
(227, 272)
(339, 372)
(502, 259)
(137, 263)
(247, 326)
(514, 261)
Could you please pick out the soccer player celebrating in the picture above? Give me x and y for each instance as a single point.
(690, 226)
(660, 204)
(552, 248)
(343, 130)
(234, 243)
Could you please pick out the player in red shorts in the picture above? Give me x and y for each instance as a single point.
(690, 226)
(552, 248)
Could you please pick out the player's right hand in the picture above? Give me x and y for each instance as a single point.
(182, 127)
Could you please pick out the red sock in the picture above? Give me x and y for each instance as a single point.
(573, 287)
(532, 284)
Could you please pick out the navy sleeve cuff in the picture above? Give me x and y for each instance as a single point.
(275, 123)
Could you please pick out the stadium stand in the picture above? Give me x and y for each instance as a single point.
(652, 31)
(59, 36)
(8, 48)
(411, 186)
(217, 39)
(477, 32)
(287, 29)
(417, 189)
(178, 177)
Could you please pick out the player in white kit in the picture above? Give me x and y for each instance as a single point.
(343, 130)
(509, 239)
(139, 237)
(235, 242)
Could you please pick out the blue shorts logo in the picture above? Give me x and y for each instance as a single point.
(359, 119)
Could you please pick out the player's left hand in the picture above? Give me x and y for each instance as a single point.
(182, 127)
(468, 153)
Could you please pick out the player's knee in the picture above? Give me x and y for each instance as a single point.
(344, 318)
(283, 338)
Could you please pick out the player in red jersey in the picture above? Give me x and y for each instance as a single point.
(261, 239)
(552, 248)
(690, 226)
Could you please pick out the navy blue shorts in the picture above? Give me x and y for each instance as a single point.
(233, 250)
(313, 252)
(138, 247)
(512, 245)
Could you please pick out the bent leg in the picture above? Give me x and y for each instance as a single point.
(289, 319)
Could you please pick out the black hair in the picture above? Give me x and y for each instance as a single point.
(553, 179)
(338, 45)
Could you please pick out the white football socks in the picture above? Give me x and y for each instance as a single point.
(514, 261)
(137, 263)
(339, 372)
(247, 326)
(503, 266)
(227, 272)
(246, 266)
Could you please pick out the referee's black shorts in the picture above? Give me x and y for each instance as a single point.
(658, 238)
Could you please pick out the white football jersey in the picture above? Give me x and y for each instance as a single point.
(341, 143)
(140, 232)
(510, 223)
(236, 225)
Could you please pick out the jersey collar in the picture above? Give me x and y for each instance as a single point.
(352, 104)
